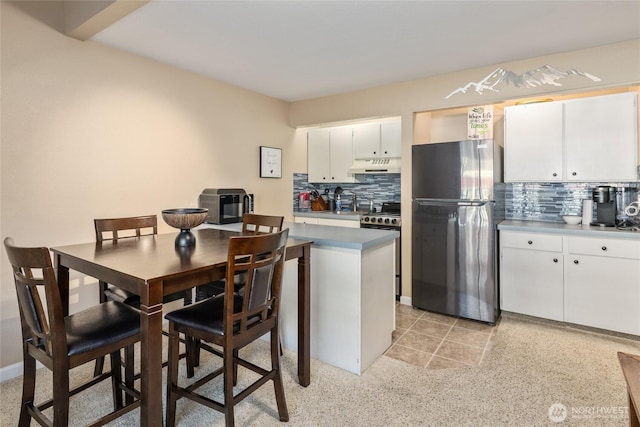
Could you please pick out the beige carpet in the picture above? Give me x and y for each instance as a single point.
(530, 367)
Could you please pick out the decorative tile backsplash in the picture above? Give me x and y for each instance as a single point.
(550, 201)
(522, 201)
(379, 187)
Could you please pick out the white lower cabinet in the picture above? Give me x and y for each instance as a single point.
(582, 280)
(326, 221)
(532, 274)
(603, 288)
(532, 283)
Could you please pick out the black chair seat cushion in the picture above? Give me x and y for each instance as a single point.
(205, 315)
(101, 325)
(114, 293)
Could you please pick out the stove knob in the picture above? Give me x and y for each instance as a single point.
(366, 219)
(380, 220)
(394, 221)
(386, 221)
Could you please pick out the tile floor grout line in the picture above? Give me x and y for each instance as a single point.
(440, 345)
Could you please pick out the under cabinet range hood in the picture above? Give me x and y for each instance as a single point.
(375, 166)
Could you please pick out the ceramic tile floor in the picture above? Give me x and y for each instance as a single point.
(436, 341)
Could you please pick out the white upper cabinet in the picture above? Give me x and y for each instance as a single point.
(601, 139)
(533, 142)
(330, 154)
(366, 141)
(391, 138)
(377, 140)
(591, 139)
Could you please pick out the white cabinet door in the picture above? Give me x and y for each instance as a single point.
(341, 154)
(603, 292)
(366, 141)
(375, 140)
(305, 220)
(319, 155)
(330, 155)
(533, 142)
(531, 283)
(601, 138)
(391, 139)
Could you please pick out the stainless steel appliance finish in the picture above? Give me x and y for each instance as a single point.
(226, 205)
(605, 199)
(454, 243)
(388, 219)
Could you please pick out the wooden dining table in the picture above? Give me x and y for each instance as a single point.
(152, 266)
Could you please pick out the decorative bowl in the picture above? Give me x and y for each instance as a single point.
(185, 219)
(572, 219)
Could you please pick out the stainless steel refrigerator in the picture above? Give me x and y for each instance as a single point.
(454, 242)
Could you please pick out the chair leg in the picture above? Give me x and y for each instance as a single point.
(116, 379)
(191, 345)
(28, 389)
(129, 372)
(172, 375)
(61, 396)
(236, 354)
(99, 366)
(276, 348)
(230, 374)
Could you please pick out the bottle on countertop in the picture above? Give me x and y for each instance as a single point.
(338, 203)
(370, 205)
(354, 202)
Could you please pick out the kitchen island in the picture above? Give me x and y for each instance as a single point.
(352, 293)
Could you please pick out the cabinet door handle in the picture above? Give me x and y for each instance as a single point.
(575, 261)
(573, 173)
(555, 260)
(604, 248)
(530, 242)
(555, 174)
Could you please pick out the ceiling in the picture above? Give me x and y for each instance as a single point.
(295, 50)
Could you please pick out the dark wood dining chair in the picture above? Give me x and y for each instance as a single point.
(62, 343)
(121, 228)
(251, 224)
(232, 320)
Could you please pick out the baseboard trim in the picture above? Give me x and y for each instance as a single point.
(405, 300)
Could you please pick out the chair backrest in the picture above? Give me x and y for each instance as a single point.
(257, 224)
(108, 229)
(261, 258)
(32, 268)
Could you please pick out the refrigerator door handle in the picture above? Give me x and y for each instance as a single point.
(436, 202)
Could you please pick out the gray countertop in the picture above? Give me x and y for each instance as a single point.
(566, 229)
(328, 235)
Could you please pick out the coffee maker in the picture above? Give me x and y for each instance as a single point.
(605, 199)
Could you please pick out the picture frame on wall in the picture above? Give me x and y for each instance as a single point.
(270, 162)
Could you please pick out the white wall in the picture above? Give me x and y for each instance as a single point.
(89, 131)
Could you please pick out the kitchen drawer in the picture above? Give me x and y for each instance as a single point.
(616, 248)
(533, 241)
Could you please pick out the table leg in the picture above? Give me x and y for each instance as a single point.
(151, 356)
(63, 285)
(304, 307)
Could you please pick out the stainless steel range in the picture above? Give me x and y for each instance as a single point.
(388, 219)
